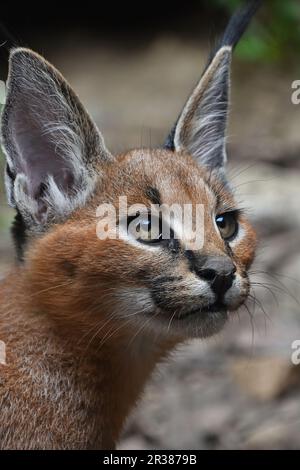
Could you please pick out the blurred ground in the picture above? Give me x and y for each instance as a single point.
(239, 390)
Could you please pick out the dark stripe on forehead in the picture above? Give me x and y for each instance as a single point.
(154, 195)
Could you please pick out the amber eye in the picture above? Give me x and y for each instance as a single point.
(227, 224)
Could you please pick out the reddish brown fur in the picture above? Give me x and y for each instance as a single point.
(85, 321)
(72, 375)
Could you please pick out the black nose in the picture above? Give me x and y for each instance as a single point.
(219, 271)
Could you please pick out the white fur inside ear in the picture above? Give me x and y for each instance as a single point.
(201, 127)
(23, 201)
(58, 204)
(62, 203)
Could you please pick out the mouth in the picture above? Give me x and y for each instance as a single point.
(206, 310)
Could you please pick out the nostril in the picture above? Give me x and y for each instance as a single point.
(233, 271)
(208, 274)
(219, 272)
(220, 281)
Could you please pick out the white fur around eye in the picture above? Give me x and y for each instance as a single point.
(127, 237)
(238, 238)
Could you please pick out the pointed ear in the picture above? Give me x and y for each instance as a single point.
(201, 128)
(53, 148)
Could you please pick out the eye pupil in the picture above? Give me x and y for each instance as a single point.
(221, 222)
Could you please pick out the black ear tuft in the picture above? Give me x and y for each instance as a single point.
(238, 24)
(200, 128)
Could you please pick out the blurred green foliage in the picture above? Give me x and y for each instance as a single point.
(275, 33)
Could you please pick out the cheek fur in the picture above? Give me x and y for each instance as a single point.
(237, 293)
(244, 246)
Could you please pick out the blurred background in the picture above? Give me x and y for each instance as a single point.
(133, 69)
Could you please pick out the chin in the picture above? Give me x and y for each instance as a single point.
(193, 324)
(180, 323)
